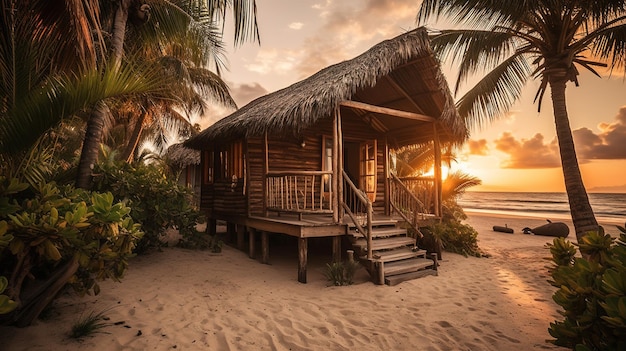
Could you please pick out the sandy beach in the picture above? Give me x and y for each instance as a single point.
(193, 300)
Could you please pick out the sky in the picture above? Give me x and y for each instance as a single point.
(517, 152)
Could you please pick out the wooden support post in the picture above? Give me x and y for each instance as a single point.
(231, 228)
(211, 228)
(265, 247)
(241, 231)
(302, 259)
(350, 255)
(433, 256)
(251, 247)
(336, 249)
(380, 267)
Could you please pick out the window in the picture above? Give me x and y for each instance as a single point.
(327, 161)
(230, 161)
(367, 181)
(208, 163)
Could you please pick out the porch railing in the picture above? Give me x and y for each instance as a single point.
(299, 192)
(412, 198)
(359, 208)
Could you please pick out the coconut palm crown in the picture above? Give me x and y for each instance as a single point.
(509, 42)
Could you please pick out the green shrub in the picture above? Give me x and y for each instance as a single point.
(454, 236)
(6, 304)
(591, 291)
(60, 235)
(156, 201)
(341, 273)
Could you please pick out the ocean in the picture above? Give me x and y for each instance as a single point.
(609, 208)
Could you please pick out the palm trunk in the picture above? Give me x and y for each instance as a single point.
(134, 138)
(95, 124)
(580, 208)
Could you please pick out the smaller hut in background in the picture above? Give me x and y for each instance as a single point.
(185, 163)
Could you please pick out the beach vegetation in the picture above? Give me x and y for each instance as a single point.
(341, 273)
(591, 290)
(156, 200)
(60, 236)
(454, 236)
(507, 43)
(88, 325)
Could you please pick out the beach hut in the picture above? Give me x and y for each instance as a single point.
(315, 159)
(185, 163)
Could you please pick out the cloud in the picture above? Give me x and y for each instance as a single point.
(273, 61)
(608, 144)
(241, 93)
(296, 25)
(478, 147)
(347, 26)
(244, 93)
(528, 153)
(346, 29)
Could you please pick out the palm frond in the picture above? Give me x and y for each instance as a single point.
(62, 96)
(482, 50)
(496, 92)
(610, 45)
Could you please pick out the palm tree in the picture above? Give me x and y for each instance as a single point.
(48, 72)
(549, 40)
(174, 17)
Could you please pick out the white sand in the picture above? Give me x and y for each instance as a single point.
(193, 300)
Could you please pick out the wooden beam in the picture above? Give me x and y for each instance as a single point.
(336, 249)
(387, 111)
(265, 170)
(265, 248)
(241, 230)
(251, 247)
(437, 169)
(335, 181)
(404, 93)
(302, 259)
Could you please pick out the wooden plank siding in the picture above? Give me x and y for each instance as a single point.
(220, 199)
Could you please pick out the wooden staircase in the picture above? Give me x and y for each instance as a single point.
(395, 255)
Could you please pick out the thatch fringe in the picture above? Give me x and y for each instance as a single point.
(182, 156)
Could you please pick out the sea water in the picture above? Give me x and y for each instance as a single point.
(607, 207)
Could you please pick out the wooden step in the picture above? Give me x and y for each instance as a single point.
(382, 232)
(375, 223)
(406, 266)
(385, 243)
(397, 279)
(397, 254)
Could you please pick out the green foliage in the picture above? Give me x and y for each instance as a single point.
(6, 304)
(456, 237)
(592, 292)
(59, 235)
(88, 325)
(341, 273)
(157, 202)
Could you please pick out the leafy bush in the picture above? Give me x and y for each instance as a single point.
(157, 202)
(592, 292)
(60, 235)
(454, 236)
(341, 273)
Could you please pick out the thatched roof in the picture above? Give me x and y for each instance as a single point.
(182, 156)
(401, 73)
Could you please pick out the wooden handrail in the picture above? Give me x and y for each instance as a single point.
(363, 201)
(415, 206)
